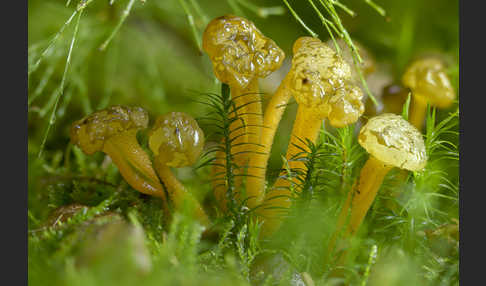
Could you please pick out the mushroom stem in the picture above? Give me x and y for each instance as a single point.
(133, 163)
(247, 129)
(246, 133)
(249, 102)
(418, 112)
(258, 162)
(364, 193)
(360, 198)
(306, 125)
(178, 193)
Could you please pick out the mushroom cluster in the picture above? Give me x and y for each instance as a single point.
(321, 83)
(325, 87)
(175, 139)
(241, 54)
(114, 131)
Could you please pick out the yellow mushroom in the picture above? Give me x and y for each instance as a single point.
(391, 142)
(428, 80)
(114, 131)
(177, 141)
(320, 82)
(392, 99)
(240, 54)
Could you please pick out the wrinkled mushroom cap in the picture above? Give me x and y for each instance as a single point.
(345, 106)
(321, 80)
(429, 81)
(368, 64)
(176, 139)
(394, 141)
(90, 132)
(239, 51)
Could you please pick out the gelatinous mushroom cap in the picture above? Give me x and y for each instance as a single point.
(428, 80)
(368, 65)
(321, 80)
(90, 132)
(239, 51)
(345, 106)
(176, 139)
(394, 141)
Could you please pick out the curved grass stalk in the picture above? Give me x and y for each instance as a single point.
(376, 7)
(42, 84)
(52, 118)
(124, 16)
(190, 19)
(47, 50)
(313, 34)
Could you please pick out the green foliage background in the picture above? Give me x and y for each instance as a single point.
(153, 61)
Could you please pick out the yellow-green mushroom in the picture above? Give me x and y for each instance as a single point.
(392, 98)
(114, 131)
(391, 142)
(320, 81)
(428, 80)
(240, 54)
(177, 141)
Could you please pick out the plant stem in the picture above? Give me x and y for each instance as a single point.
(377, 8)
(52, 118)
(42, 84)
(51, 44)
(190, 19)
(313, 34)
(124, 16)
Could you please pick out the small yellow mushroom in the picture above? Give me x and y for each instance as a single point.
(320, 81)
(177, 141)
(428, 80)
(114, 131)
(392, 99)
(240, 54)
(391, 142)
